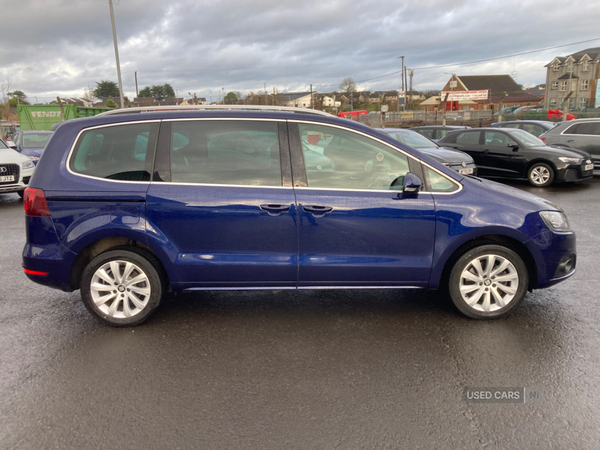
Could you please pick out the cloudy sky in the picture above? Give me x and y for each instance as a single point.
(62, 47)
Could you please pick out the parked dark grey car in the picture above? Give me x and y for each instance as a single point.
(436, 132)
(511, 153)
(454, 159)
(579, 134)
(535, 127)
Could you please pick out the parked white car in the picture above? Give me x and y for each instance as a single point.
(15, 170)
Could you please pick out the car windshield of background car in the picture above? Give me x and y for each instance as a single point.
(528, 140)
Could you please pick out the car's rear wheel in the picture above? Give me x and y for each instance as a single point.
(540, 175)
(488, 282)
(121, 287)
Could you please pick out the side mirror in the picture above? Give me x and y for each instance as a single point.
(514, 146)
(412, 183)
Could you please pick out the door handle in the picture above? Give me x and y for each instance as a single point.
(571, 140)
(317, 209)
(275, 209)
(486, 151)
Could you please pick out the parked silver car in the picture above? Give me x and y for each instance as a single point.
(579, 134)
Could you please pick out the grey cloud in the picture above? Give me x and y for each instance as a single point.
(62, 47)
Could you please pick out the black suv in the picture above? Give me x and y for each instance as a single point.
(513, 153)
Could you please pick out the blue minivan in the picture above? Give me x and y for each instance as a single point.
(129, 205)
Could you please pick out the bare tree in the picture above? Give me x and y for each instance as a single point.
(5, 89)
(348, 87)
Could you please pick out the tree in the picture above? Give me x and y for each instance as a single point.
(158, 91)
(348, 87)
(106, 89)
(168, 89)
(231, 98)
(145, 92)
(110, 103)
(19, 98)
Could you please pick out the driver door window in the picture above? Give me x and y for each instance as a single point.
(340, 159)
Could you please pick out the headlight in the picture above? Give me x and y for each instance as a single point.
(556, 221)
(28, 165)
(566, 159)
(33, 158)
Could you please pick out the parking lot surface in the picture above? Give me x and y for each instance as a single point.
(306, 370)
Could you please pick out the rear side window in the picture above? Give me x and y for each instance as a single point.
(426, 133)
(590, 128)
(469, 137)
(225, 152)
(123, 152)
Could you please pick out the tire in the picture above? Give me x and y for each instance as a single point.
(127, 303)
(474, 287)
(540, 175)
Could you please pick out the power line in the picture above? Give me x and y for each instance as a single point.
(474, 62)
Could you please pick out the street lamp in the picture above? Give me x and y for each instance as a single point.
(114, 30)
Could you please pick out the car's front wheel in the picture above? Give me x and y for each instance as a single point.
(488, 282)
(121, 287)
(540, 175)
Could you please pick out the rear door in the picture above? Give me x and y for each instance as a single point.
(469, 142)
(356, 227)
(222, 206)
(585, 136)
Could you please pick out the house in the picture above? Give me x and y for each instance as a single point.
(577, 75)
(298, 99)
(499, 87)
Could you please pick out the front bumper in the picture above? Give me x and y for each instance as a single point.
(576, 172)
(559, 255)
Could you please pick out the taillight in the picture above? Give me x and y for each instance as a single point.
(34, 202)
(542, 138)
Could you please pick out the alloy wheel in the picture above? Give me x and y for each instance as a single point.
(489, 283)
(120, 289)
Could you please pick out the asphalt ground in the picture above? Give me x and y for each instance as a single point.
(302, 370)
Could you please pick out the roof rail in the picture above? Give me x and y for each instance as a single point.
(142, 109)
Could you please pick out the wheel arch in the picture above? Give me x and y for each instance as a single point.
(97, 247)
(513, 244)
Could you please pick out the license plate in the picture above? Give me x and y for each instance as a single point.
(465, 171)
(588, 167)
(7, 178)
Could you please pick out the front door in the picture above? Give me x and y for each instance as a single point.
(224, 206)
(356, 227)
(503, 155)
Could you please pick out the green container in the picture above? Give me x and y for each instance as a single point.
(42, 117)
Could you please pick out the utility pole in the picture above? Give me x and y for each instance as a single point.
(62, 110)
(406, 86)
(444, 103)
(312, 105)
(114, 30)
(402, 77)
(136, 86)
(411, 72)
(500, 106)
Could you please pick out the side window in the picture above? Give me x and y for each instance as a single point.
(437, 182)
(536, 130)
(591, 128)
(468, 137)
(572, 129)
(426, 133)
(123, 152)
(225, 152)
(340, 159)
(511, 125)
(441, 133)
(493, 138)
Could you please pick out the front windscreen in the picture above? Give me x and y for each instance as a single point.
(527, 139)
